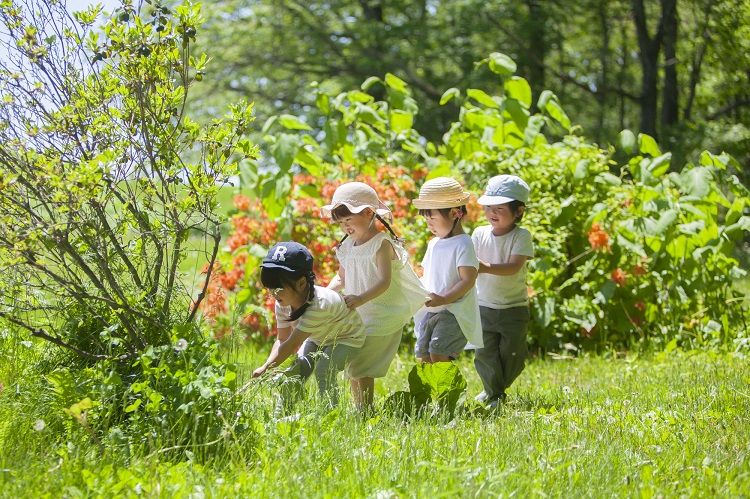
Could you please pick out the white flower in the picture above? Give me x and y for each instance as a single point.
(181, 345)
(39, 425)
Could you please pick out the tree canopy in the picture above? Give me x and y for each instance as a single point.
(675, 69)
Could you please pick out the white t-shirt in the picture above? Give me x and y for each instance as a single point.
(500, 291)
(441, 263)
(389, 312)
(327, 320)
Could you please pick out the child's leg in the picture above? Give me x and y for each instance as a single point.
(332, 360)
(293, 383)
(513, 347)
(423, 331)
(371, 362)
(487, 362)
(363, 390)
(447, 340)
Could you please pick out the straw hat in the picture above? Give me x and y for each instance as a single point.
(441, 192)
(356, 196)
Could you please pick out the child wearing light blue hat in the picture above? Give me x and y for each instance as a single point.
(502, 248)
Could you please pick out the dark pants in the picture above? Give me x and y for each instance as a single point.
(502, 358)
(325, 362)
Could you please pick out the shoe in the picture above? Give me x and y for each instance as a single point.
(492, 404)
(481, 397)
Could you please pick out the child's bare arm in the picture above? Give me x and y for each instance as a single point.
(285, 346)
(511, 267)
(338, 281)
(468, 276)
(383, 259)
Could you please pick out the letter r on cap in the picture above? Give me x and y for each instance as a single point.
(279, 253)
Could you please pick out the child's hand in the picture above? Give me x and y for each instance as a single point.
(259, 372)
(353, 301)
(436, 301)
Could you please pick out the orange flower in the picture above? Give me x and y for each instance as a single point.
(638, 270)
(241, 202)
(619, 277)
(598, 238)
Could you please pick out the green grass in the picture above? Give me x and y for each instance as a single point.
(672, 425)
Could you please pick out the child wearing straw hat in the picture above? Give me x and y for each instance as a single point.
(450, 318)
(503, 248)
(375, 274)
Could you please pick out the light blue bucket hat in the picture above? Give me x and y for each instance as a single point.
(503, 189)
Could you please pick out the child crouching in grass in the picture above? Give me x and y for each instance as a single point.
(334, 332)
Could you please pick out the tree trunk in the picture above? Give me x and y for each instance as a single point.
(670, 110)
(603, 80)
(649, 56)
(537, 44)
(697, 63)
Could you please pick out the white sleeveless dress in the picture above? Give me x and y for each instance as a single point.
(392, 310)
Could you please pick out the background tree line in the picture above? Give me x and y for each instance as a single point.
(675, 69)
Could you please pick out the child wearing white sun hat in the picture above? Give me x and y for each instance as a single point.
(503, 248)
(450, 318)
(377, 279)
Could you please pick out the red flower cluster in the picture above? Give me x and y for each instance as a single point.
(242, 203)
(639, 270)
(598, 238)
(619, 277)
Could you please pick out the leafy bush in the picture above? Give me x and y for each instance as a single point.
(106, 186)
(103, 176)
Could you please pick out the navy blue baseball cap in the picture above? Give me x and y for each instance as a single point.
(289, 255)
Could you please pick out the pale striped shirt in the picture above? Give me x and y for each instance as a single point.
(327, 320)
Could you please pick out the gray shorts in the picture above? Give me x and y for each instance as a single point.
(439, 333)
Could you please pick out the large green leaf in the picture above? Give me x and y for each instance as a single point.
(581, 169)
(720, 161)
(501, 64)
(285, 149)
(401, 121)
(372, 80)
(482, 97)
(293, 122)
(666, 220)
(308, 161)
(449, 94)
(697, 181)
(548, 102)
(738, 229)
(544, 310)
(533, 128)
(626, 141)
(518, 88)
(660, 164)
(441, 381)
(518, 113)
(323, 103)
(396, 83)
(648, 145)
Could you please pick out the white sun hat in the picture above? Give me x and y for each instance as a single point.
(356, 196)
(441, 192)
(503, 189)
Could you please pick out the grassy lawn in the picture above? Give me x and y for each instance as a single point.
(672, 425)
